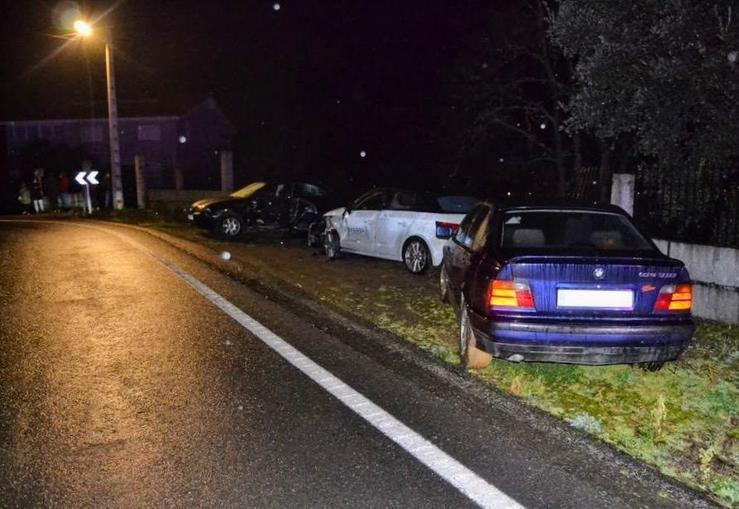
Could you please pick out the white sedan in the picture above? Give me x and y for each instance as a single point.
(396, 225)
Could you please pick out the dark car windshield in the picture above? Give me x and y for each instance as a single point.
(570, 230)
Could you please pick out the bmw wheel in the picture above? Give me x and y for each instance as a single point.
(416, 256)
(230, 226)
(472, 357)
(443, 284)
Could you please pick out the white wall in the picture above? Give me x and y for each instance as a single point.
(715, 274)
(714, 270)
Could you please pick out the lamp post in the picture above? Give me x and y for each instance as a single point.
(85, 30)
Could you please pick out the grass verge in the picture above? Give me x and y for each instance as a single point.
(682, 419)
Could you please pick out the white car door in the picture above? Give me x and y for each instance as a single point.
(360, 223)
(393, 225)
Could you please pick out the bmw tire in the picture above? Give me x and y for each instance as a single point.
(471, 356)
(443, 284)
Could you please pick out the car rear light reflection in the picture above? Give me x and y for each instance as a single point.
(510, 294)
(674, 298)
(445, 230)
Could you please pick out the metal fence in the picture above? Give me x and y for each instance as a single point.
(700, 207)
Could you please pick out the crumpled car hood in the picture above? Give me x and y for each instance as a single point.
(335, 212)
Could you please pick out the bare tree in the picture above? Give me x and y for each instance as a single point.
(518, 91)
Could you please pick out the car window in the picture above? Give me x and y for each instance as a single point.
(465, 232)
(269, 191)
(480, 228)
(570, 230)
(457, 204)
(403, 200)
(371, 201)
(265, 195)
(308, 191)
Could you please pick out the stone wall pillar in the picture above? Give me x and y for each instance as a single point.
(622, 191)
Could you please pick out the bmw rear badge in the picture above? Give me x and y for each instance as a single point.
(599, 273)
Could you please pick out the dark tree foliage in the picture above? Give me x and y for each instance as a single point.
(514, 94)
(661, 73)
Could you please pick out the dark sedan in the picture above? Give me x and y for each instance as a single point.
(564, 284)
(263, 206)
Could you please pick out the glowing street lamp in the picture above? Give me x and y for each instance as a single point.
(84, 29)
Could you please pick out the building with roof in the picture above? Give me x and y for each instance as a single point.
(178, 150)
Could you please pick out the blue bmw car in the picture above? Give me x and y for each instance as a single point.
(564, 284)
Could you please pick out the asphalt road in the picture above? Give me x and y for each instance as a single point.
(122, 386)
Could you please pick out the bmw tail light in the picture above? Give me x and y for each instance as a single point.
(445, 230)
(674, 298)
(510, 294)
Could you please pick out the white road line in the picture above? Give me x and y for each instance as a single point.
(456, 474)
(452, 471)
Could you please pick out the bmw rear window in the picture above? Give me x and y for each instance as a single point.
(570, 230)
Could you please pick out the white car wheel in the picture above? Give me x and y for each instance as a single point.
(416, 256)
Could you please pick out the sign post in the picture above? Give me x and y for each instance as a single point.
(85, 178)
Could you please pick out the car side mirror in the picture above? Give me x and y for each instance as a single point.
(347, 211)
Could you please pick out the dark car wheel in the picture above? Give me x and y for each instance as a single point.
(298, 214)
(315, 234)
(472, 357)
(332, 245)
(443, 284)
(230, 226)
(416, 256)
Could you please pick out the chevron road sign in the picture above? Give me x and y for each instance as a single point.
(85, 178)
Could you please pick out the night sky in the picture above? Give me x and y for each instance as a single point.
(308, 86)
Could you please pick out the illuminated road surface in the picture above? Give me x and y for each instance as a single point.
(123, 386)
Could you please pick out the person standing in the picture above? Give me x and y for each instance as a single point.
(37, 190)
(24, 197)
(51, 190)
(63, 188)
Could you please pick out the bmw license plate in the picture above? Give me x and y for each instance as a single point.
(189, 217)
(600, 299)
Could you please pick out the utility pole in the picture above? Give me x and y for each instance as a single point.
(138, 162)
(84, 29)
(227, 171)
(116, 183)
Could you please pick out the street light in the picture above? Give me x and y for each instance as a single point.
(84, 29)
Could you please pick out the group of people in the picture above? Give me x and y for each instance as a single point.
(55, 191)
